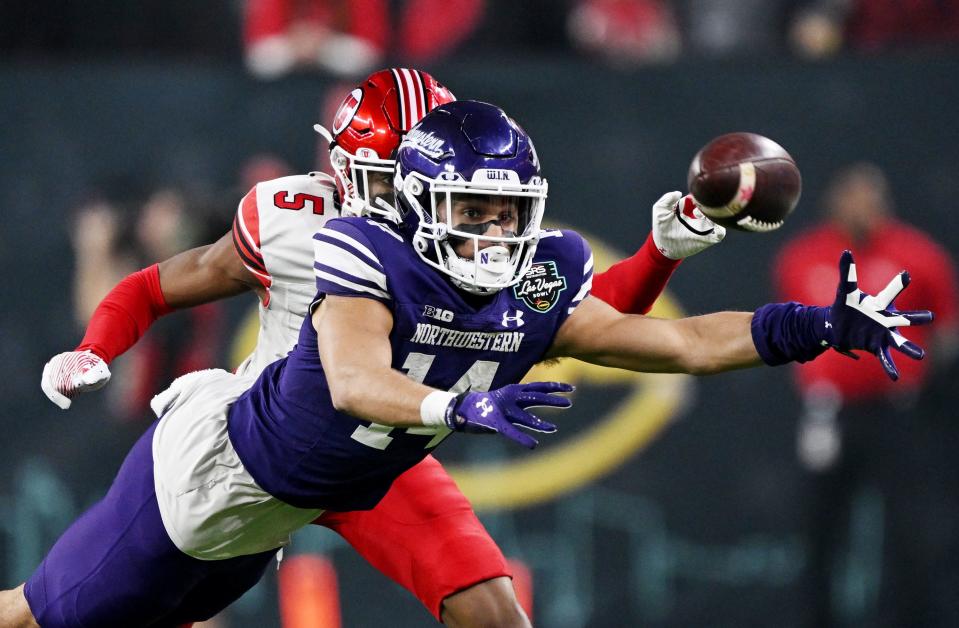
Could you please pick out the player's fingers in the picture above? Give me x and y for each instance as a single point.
(694, 220)
(548, 387)
(519, 436)
(94, 378)
(667, 203)
(907, 347)
(719, 232)
(892, 290)
(847, 276)
(885, 358)
(46, 385)
(912, 350)
(917, 317)
(531, 421)
(532, 400)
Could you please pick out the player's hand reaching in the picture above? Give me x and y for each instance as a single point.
(857, 320)
(680, 229)
(502, 410)
(68, 374)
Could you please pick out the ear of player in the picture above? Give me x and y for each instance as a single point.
(861, 321)
(500, 411)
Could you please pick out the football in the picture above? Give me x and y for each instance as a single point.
(745, 181)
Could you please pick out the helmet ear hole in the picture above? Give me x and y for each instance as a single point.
(339, 159)
(415, 186)
(420, 243)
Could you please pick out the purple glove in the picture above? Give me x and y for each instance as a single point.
(501, 410)
(857, 320)
(785, 332)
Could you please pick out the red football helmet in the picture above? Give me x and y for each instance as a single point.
(367, 130)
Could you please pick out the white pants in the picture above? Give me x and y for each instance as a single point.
(210, 505)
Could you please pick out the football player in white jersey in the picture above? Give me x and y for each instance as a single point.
(270, 252)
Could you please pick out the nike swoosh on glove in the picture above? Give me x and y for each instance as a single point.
(68, 374)
(857, 320)
(500, 411)
(680, 229)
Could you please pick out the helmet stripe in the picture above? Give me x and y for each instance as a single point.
(410, 100)
(421, 92)
(400, 92)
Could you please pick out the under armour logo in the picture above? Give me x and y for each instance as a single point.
(828, 325)
(516, 321)
(485, 406)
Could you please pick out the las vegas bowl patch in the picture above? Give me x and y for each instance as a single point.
(540, 287)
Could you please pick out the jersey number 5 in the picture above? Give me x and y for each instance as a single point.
(300, 199)
(417, 365)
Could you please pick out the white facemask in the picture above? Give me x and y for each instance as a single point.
(492, 266)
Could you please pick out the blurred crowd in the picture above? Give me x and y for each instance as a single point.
(114, 235)
(351, 37)
(861, 434)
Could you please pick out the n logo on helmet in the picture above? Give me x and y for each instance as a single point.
(347, 110)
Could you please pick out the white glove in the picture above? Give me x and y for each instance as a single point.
(70, 373)
(680, 229)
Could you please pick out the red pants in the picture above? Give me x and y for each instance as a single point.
(424, 535)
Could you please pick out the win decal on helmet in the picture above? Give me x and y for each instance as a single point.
(470, 190)
(366, 131)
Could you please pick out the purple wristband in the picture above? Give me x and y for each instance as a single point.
(791, 332)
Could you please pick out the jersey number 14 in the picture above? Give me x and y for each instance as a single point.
(479, 377)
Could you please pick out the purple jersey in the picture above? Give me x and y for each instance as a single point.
(301, 450)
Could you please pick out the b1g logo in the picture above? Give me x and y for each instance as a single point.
(540, 287)
(438, 313)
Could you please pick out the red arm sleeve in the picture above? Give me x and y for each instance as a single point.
(125, 314)
(633, 285)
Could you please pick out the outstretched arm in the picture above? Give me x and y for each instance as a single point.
(679, 231)
(597, 333)
(191, 278)
(197, 276)
(774, 334)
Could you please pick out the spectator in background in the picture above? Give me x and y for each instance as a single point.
(724, 28)
(625, 32)
(104, 255)
(823, 27)
(858, 429)
(349, 37)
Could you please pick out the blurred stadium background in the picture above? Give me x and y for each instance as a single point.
(130, 130)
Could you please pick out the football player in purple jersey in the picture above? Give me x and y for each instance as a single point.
(418, 330)
(457, 572)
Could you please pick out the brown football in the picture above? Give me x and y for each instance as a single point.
(745, 181)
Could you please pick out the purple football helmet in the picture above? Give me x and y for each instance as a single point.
(462, 155)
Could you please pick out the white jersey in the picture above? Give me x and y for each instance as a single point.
(210, 506)
(273, 234)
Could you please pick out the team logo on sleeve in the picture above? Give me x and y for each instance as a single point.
(540, 287)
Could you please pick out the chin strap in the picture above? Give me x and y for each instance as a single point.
(319, 128)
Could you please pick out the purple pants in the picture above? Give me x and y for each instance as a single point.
(116, 566)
